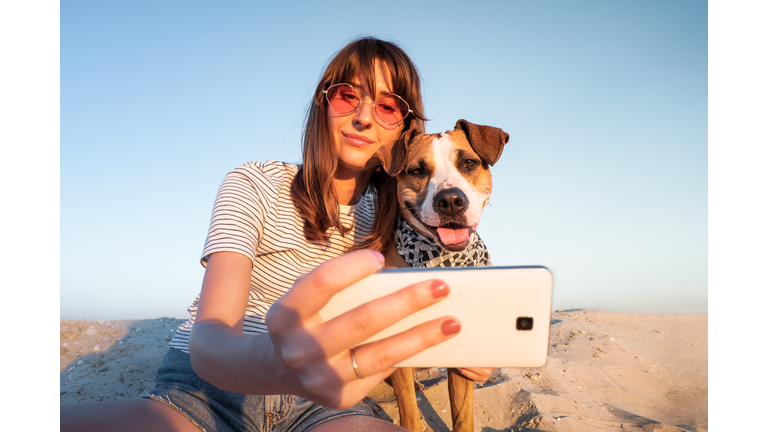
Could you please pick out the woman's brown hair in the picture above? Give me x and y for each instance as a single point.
(312, 190)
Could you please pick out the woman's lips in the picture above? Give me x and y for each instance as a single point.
(357, 140)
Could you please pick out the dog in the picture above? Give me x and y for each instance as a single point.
(443, 185)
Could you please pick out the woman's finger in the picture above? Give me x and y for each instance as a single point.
(366, 320)
(313, 291)
(359, 388)
(380, 356)
(477, 374)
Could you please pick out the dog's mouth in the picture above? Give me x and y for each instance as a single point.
(454, 236)
(451, 236)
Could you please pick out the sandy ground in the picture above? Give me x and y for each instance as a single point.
(606, 371)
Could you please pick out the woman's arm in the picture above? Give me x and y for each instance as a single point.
(220, 353)
(302, 354)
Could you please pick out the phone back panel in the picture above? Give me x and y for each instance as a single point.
(486, 300)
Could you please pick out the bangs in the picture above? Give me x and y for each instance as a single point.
(351, 64)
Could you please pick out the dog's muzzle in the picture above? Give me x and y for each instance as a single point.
(450, 204)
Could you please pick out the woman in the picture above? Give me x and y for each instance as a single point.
(271, 224)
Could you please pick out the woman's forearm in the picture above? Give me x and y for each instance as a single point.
(220, 353)
(235, 362)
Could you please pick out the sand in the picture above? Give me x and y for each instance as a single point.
(606, 371)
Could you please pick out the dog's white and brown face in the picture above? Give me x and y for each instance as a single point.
(444, 180)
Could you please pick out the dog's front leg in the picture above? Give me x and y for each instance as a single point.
(460, 392)
(405, 392)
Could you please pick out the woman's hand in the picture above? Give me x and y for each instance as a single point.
(477, 374)
(313, 357)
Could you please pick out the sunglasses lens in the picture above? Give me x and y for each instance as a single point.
(391, 109)
(343, 98)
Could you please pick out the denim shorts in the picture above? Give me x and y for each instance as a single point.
(213, 409)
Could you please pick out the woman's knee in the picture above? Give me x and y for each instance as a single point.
(357, 423)
(123, 415)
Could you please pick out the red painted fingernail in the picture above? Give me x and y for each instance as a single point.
(380, 258)
(450, 327)
(439, 289)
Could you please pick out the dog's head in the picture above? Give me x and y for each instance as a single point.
(444, 180)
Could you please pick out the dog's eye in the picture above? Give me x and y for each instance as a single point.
(470, 163)
(416, 172)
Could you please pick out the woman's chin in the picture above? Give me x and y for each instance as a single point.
(359, 165)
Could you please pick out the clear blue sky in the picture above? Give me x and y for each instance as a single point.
(604, 180)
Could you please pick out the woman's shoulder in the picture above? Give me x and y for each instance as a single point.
(260, 174)
(269, 168)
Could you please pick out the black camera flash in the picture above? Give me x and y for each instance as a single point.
(524, 323)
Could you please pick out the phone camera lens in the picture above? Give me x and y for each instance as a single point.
(524, 323)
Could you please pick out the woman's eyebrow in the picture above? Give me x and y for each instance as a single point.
(380, 92)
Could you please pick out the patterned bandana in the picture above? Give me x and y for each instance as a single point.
(420, 251)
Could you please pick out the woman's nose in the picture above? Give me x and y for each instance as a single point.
(364, 112)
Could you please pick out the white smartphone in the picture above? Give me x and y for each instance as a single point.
(504, 313)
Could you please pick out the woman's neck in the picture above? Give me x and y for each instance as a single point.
(350, 187)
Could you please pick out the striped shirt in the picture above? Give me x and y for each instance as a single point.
(255, 216)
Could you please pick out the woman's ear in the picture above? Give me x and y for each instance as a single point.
(392, 156)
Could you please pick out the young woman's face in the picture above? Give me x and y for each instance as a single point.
(359, 135)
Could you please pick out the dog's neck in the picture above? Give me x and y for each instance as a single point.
(420, 251)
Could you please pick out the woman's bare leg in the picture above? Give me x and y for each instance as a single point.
(358, 423)
(123, 415)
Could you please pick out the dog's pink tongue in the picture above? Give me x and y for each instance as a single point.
(451, 236)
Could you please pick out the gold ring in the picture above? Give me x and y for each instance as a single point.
(354, 363)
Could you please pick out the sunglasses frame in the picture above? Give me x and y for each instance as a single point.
(357, 109)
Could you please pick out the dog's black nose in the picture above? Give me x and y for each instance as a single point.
(450, 202)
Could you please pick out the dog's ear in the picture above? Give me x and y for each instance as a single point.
(486, 141)
(392, 156)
